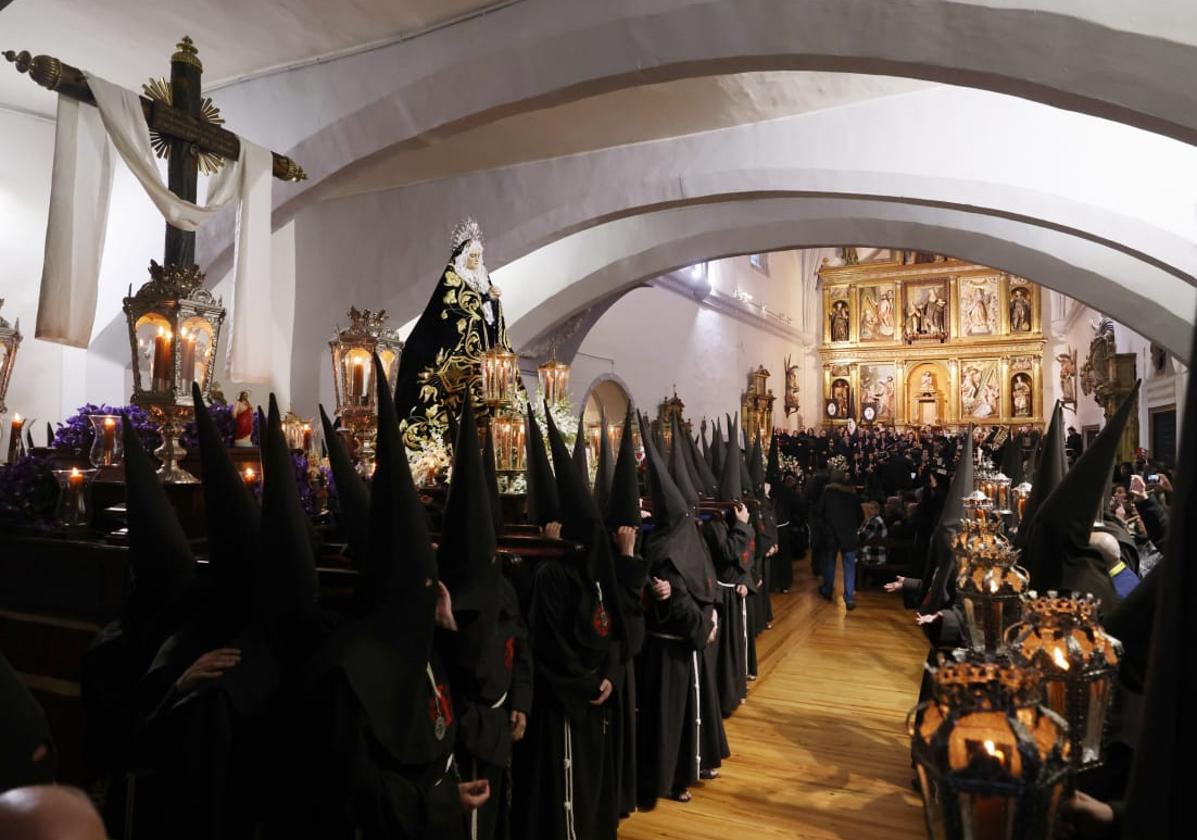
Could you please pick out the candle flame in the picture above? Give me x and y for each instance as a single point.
(17, 418)
(74, 472)
(992, 749)
(249, 474)
(109, 422)
(994, 584)
(1061, 660)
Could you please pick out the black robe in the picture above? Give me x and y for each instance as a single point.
(670, 740)
(564, 769)
(731, 551)
(632, 574)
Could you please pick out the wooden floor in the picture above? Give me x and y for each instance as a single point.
(820, 748)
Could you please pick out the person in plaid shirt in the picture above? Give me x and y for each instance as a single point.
(873, 528)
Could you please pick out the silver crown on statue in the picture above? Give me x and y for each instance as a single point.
(466, 230)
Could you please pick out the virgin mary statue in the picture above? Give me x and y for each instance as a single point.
(442, 359)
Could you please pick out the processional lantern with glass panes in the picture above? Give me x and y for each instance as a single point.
(991, 584)
(1063, 639)
(174, 327)
(991, 758)
(353, 350)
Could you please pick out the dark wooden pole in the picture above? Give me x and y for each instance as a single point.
(183, 171)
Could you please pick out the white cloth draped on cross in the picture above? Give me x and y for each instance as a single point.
(80, 189)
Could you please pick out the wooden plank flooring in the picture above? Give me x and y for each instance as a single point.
(820, 748)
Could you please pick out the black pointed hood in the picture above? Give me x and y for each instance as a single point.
(624, 505)
(773, 469)
(401, 558)
(941, 560)
(1050, 466)
(1056, 551)
(23, 728)
(746, 482)
(682, 439)
(543, 504)
(352, 493)
(605, 474)
(491, 467)
(708, 484)
(717, 451)
(579, 513)
(466, 558)
(756, 466)
(669, 505)
(678, 468)
(160, 560)
(1012, 461)
(1156, 796)
(580, 459)
(703, 444)
(730, 487)
(286, 584)
(233, 525)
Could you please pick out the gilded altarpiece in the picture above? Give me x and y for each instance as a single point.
(942, 343)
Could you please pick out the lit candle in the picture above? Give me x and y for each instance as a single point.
(357, 387)
(75, 479)
(109, 441)
(14, 441)
(188, 352)
(162, 362)
(307, 437)
(1022, 506)
(249, 476)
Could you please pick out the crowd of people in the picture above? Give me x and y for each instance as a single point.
(455, 688)
(459, 688)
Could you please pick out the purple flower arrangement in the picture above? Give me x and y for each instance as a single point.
(75, 433)
(27, 490)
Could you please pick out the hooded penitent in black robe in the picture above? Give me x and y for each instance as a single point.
(732, 547)
(670, 672)
(1056, 548)
(565, 768)
(160, 596)
(378, 759)
(1050, 467)
(27, 752)
(442, 357)
(1157, 802)
(622, 510)
(481, 660)
(766, 541)
(714, 747)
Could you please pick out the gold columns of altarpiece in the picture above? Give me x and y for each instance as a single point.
(961, 323)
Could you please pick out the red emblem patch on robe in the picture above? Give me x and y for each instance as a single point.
(442, 706)
(509, 653)
(602, 623)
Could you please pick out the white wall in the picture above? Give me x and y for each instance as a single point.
(654, 338)
(26, 148)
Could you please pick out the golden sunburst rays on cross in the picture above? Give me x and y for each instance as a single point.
(159, 90)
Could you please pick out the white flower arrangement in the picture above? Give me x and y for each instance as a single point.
(433, 462)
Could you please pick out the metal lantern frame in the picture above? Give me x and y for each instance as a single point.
(991, 585)
(176, 301)
(10, 340)
(554, 381)
(991, 758)
(500, 375)
(352, 350)
(1063, 639)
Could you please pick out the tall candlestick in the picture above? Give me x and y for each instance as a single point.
(162, 362)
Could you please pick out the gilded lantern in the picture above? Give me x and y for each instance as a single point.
(10, 340)
(500, 378)
(508, 431)
(991, 759)
(1063, 640)
(174, 327)
(554, 381)
(353, 349)
(990, 586)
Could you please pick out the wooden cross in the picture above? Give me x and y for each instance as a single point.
(184, 127)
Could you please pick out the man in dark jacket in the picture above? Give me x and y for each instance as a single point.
(839, 510)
